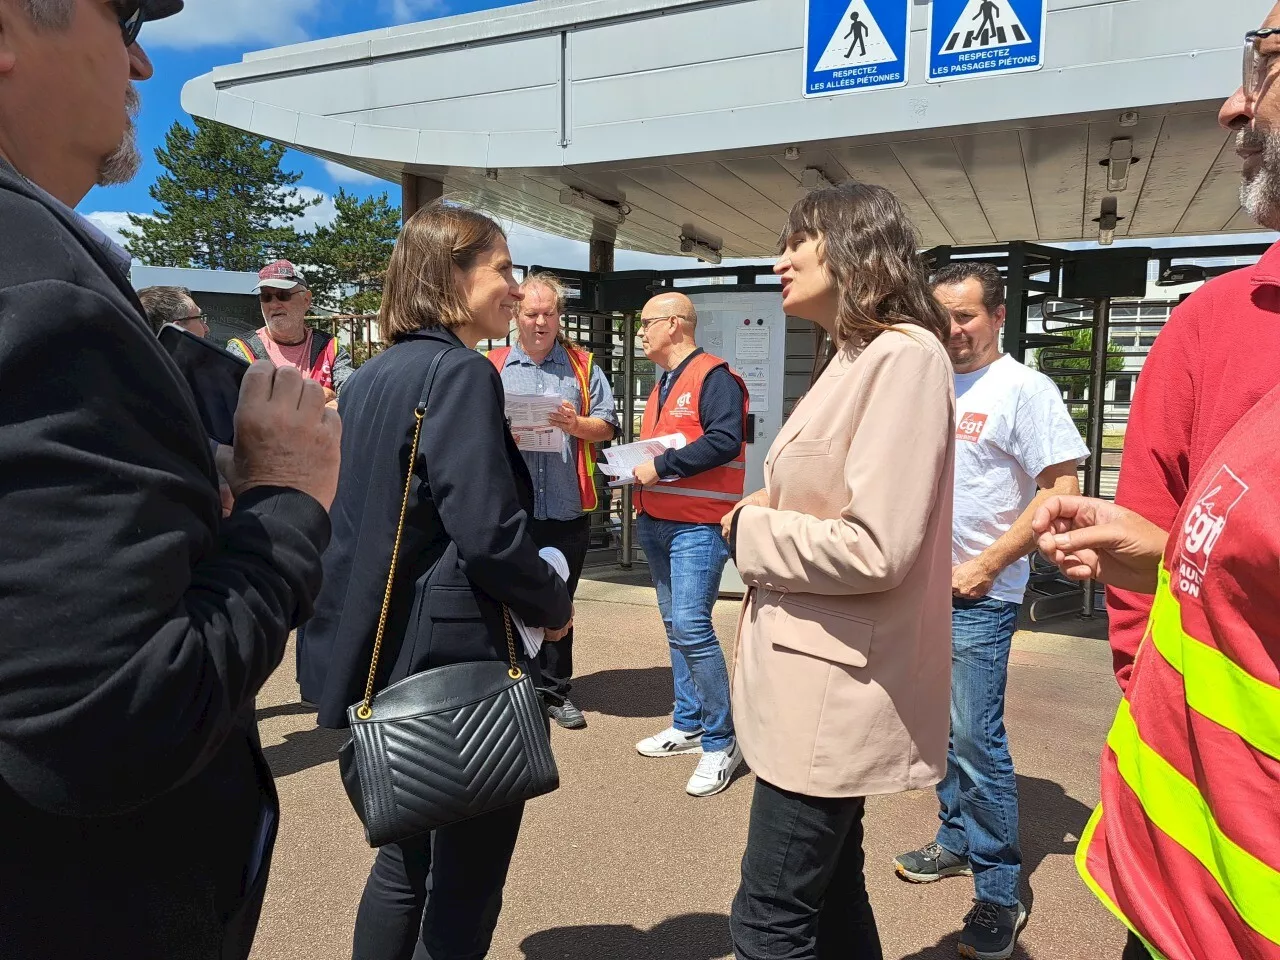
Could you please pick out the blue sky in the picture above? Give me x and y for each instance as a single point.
(210, 33)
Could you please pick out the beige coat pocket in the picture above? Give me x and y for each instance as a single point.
(822, 632)
(806, 448)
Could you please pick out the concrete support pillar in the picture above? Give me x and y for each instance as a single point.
(416, 192)
(600, 259)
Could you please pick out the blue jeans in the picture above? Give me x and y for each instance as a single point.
(685, 562)
(979, 794)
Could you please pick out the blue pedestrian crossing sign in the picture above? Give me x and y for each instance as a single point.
(969, 38)
(852, 45)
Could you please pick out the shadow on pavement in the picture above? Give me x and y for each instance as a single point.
(945, 949)
(285, 710)
(694, 936)
(303, 750)
(643, 692)
(1046, 816)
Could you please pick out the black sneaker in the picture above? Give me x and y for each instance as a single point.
(567, 715)
(931, 862)
(991, 931)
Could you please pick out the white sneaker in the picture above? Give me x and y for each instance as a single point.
(714, 771)
(670, 743)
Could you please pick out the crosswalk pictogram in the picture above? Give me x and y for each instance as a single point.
(984, 24)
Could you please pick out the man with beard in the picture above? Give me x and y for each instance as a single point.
(136, 624)
(1216, 357)
(286, 340)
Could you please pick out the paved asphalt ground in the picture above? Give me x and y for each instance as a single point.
(621, 863)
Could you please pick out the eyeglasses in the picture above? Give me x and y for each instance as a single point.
(646, 324)
(198, 316)
(1257, 65)
(284, 296)
(132, 17)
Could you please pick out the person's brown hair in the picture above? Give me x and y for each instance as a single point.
(419, 291)
(869, 246)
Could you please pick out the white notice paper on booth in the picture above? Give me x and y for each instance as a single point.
(753, 344)
(756, 377)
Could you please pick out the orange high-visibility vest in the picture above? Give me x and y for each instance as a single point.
(580, 360)
(1185, 846)
(708, 496)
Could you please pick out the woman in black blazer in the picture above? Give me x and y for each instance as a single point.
(465, 552)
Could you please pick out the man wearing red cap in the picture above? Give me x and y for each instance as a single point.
(286, 340)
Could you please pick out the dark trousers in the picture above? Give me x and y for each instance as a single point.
(803, 894)
(1134, 949)
(438, 897)
(571, 538)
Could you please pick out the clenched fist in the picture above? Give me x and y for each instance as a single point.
(285, 435)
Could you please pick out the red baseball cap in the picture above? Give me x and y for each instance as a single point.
(282, 275)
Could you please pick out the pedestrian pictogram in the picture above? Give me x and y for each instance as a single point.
(855, 44)
(970, 37)
(856, 41)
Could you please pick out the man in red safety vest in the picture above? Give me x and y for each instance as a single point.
(686, 493)
(1185, 846)
(541, 361)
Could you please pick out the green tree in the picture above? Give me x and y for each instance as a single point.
(348, 258)
(224, 202)
(1082, 341)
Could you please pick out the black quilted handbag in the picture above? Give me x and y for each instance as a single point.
(449, 743)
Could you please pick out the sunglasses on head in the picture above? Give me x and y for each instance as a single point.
(284, 296)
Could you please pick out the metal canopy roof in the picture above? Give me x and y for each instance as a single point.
(690, 112)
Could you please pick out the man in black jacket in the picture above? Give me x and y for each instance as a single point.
(136, 625)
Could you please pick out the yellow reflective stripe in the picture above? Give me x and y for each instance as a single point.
(1082, 868)
(1174, 805)
(1217, 687)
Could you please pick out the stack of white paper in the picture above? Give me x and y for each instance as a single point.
(528, 414)
(532, 637)
(621, 462)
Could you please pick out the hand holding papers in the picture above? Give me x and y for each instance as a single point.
(621, 462)
(532, 637)
(530, 414)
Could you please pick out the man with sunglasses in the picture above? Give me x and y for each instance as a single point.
(1182, 848)
(137, 624)
(286, 340)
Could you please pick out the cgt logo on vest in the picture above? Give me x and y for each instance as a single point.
(1204, 526)
(682, 405)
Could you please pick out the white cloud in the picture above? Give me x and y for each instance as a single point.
(320, 215)
(111, 222)
(408, 11)
(214, 23)
(347, 175)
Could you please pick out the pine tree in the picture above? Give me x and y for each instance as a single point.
(224, 202)
(348, 259)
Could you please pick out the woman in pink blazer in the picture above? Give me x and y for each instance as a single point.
(841, 685)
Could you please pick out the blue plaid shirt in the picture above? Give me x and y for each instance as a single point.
(555, 475)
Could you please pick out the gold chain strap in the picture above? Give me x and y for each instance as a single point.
(365, 710)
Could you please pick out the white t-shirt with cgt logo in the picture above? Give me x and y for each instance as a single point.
(1011, 424)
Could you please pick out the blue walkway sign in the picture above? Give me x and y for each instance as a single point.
(969, 38)
(852, 45)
